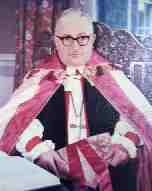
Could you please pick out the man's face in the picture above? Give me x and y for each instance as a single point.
(74, 40)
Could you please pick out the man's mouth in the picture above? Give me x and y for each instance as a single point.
(75, 54)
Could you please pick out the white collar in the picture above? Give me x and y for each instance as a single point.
(71, 70)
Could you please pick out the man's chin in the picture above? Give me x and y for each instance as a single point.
(77, 62)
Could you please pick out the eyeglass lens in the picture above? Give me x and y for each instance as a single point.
(69, 40)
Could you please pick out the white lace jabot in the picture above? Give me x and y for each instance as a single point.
(72, 80)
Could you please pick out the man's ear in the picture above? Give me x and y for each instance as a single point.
(56, 41)
(93, 38)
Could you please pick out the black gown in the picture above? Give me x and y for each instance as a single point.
(102, 118)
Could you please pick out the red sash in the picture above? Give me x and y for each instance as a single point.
(88, 167)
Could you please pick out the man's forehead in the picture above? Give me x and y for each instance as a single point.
(74, 26)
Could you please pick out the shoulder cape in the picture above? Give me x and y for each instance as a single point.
(43, 81)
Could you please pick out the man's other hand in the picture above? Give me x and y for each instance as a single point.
(52, 162)
(117, 155)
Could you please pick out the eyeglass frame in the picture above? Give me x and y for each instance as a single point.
(73, 39)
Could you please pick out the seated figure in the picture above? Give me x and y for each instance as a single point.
(73, 95)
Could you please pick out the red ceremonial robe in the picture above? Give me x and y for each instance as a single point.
(47, 79)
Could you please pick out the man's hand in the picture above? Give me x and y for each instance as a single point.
(117, 155)
(52, 162)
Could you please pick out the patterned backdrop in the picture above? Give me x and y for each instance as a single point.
(31, 14)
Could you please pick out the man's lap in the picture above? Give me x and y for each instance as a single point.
(62, 188)
(123, 179)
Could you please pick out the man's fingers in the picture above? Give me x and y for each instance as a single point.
(62, 165)
(47, 161)
(59, 159)
(57, 164)
(52, 167)
(120, 157)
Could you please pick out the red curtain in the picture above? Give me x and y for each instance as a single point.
(34, 29)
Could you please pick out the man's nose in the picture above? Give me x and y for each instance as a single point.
(75, 44)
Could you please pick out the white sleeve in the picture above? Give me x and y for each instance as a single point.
(35, 129)
(122, 127)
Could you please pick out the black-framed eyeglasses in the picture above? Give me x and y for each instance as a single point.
(68, 40)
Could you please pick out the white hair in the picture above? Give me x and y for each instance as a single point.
(68, 13)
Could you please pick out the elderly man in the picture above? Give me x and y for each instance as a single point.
(73, 95)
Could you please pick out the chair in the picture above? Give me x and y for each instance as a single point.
(123, 48)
